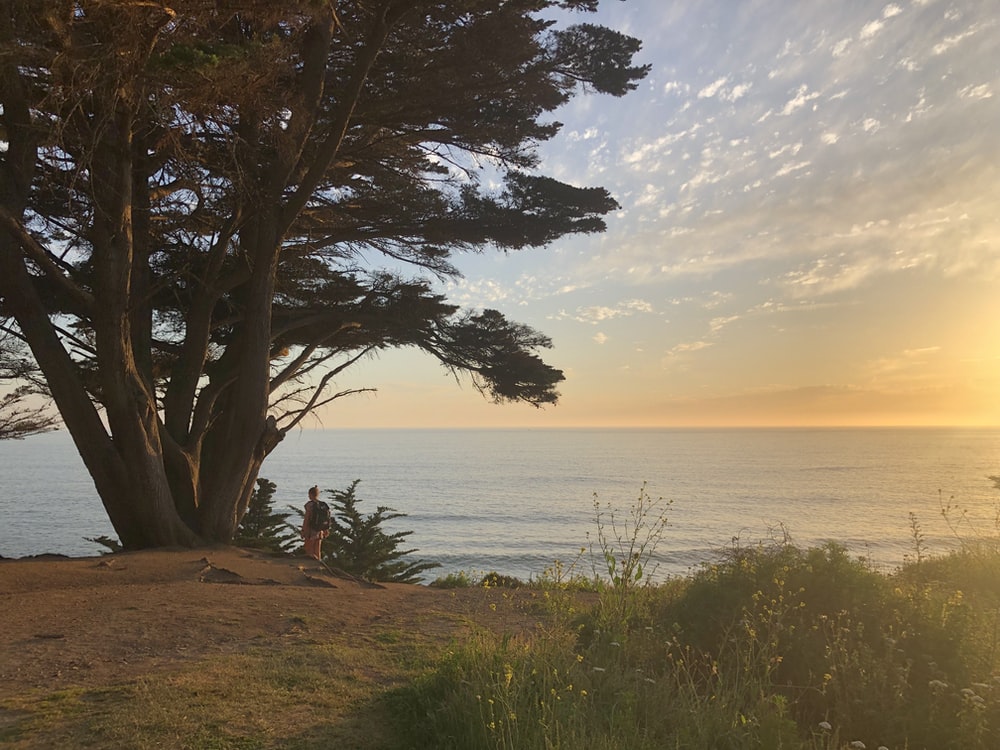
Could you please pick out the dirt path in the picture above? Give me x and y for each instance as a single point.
(92, 622)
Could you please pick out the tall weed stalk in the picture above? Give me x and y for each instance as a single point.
(623, 559)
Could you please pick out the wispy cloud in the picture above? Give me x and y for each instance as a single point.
(982, 91)
(678, 355)
(600, 313)
(802, 97)
(871, 29)
(713, 88)
(826, 276)
(690, 346)
(909, 365)
(950, 42)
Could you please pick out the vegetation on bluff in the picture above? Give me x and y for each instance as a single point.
(770, 647)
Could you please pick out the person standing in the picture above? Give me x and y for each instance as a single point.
(312, 534)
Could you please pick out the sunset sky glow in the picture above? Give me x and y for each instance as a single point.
(809, 231)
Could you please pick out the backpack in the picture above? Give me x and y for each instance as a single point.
(321, 518)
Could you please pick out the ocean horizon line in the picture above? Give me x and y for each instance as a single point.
(651, 428)
(607, 428)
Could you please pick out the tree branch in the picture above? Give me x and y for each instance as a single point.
(385, 18)
(36, 252)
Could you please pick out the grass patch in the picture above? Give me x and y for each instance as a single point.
(307, 695)
(771, 647)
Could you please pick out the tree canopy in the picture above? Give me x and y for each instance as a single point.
(209, 210)
(21, 413)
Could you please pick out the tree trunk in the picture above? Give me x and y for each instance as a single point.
(234, 442)
(128, 396)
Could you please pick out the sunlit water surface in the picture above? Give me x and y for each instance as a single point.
(515, 500)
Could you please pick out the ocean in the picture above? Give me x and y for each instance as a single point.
(515, 501)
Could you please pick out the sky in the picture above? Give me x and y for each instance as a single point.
(809, 232)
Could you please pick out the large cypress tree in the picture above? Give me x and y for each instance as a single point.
(209, 209)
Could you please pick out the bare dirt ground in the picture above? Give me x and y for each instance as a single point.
(92, 622)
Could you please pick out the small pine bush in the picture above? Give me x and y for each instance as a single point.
(261, 527)
(358, 545)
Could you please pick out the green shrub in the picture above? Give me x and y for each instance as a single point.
(111, 544)
(494, 580)
(457, 580)
(358, 544)
(261, 527)
(771, 647)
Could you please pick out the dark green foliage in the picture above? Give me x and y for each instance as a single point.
(19, 419)
(455, 580)
(110, 544)
(822, 581)
(600, 57)
(20, 416)
(494, 580)
(192, 57)
(358, 544)
(504, 367)
(838, 641)
(261, 527)
(771, 647)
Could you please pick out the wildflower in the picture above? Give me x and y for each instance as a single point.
(825, 726)
(583, 693)
(579, 657)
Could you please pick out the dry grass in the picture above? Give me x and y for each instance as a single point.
(149, 652)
